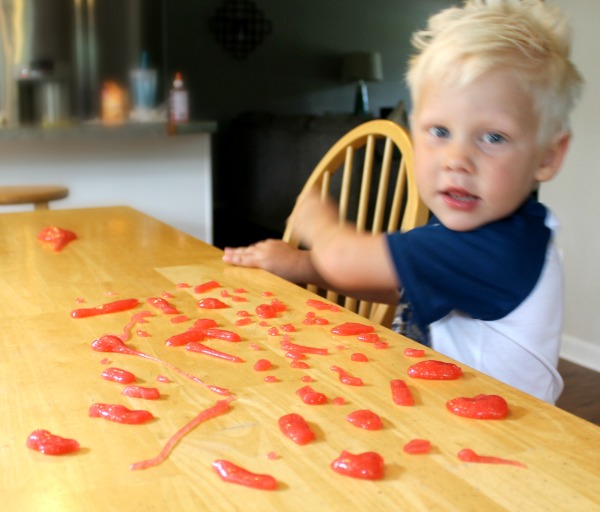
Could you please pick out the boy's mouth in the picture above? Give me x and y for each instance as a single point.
(460, 199)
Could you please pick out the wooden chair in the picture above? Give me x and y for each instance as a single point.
(369, 172)
(38, 195)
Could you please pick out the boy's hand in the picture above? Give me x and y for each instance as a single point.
(275, 256)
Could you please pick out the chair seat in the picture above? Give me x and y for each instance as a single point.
(38, 195)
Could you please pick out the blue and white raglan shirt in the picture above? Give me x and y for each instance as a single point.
(491, 298)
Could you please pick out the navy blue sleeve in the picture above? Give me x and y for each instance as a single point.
(485, 273)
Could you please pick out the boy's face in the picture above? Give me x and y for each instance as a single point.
(476, 152)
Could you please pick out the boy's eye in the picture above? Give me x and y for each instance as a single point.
(493, 138)
(439, 131)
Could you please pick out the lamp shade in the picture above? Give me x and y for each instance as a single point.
(364, 66)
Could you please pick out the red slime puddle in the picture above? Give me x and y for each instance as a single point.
(417, 446)
(434, 370)
(401, 394)
(351, 329)
(141, 392)
(51, 444)
(56, 236)
(221, 407)
(103, 309)
(229, 472)
(120, 414)
(118, 375)
(367, 466)
(295, 427)
(481, 407)
(365, 419)
(468, 455)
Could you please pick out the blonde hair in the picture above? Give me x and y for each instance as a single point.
(526, 37)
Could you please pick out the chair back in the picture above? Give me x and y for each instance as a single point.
(369, 172)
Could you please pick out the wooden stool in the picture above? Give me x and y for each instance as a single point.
(38, 195)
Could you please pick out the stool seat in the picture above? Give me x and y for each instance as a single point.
(38, 195)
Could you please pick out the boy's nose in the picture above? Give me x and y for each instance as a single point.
(457, 157)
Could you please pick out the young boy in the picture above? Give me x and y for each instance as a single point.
(492, 87)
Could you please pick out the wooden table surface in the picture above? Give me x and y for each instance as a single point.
(50, 376)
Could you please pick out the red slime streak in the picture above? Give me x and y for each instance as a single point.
(401, 394)
(50, 444)
(103, 309)
(468, 455)
(110, 343)
(141, 392)
(320, 305)
(229, 472)
(220, 407)
(57, 236)
(136, 318)
(295, 427)
(434, 370)
(310, 396)
(365, 419)
(221, 334)
(178, 340)
(481, 407)
(367, 466)
(417, 446)
(351, 329)
(205, 287)
(118, 375)
(203, 349)
(163, 305)
(211, 303)
(414, 352)
(293, 347)
(346, 378)
(120, 414)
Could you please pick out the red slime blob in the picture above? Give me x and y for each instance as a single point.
(51, 444)
(120, 414)
(103, 309)
(401, 394)
(351, 329)
(58, 237)
(367, 466)
(295, 427)
(118, 375)
(435, 370)
(229, 472)
(481, 407)
(365, 419)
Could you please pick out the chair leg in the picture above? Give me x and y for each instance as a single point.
(41, 206)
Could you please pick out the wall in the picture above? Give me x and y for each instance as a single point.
(573, 196)
(296, 69)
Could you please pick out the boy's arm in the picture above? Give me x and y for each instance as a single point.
(358, 264)
(277, 257)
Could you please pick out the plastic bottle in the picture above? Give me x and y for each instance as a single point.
(178, 102)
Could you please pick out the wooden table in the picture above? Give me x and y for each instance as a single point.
(50, 376)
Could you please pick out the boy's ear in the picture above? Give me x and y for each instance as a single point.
(553, 157)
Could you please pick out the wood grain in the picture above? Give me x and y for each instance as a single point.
(51, 376)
